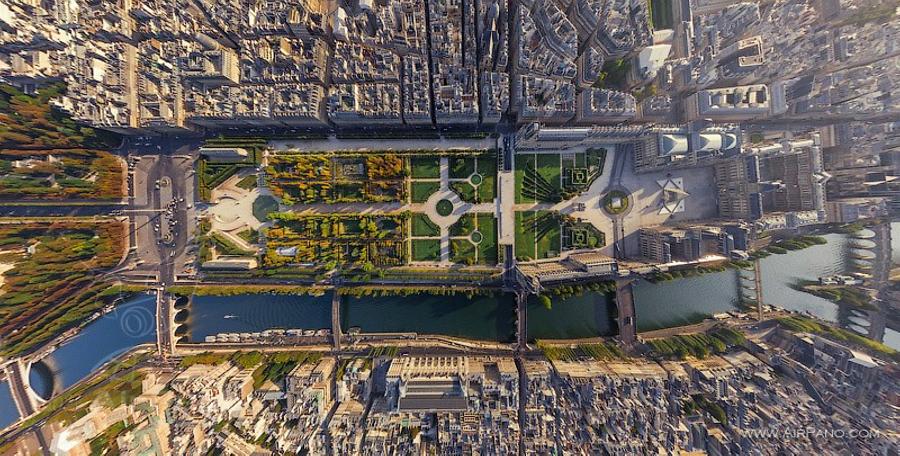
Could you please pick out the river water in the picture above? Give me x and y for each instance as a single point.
(658, 305)
(485, 318)
(482, 317)
(588, 315)
(129, 324)
(252, 313)
(8, 412)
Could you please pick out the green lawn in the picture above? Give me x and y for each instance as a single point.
(548, 238)
(462, 251)
(487, 168)
(349, 191)
(425, 167)
(523, 162)
(541, 171)
(464, 226)
(420, 191)
(465, 191)
(487, 250)
(426, 249)
(538, 235)
(423, 226)
(548, 167)
(461, 167)
(524, 237)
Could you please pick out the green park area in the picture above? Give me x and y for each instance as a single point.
(444, 207)
(28, 121)
(717, 340)
(212, 243)
(472, 176)
(421, 190)
(55, 281)
(581, 235)
(60, 174)
(263, 206)
(211, 174)
(45, 155)
(338, 177)
(473, 240)
(328, 241)
(600, 352)
(613, 74)
(426, 249)
(423, 226)
(477, 178)
(551, 177)
(425, 167)
(538, 178)
(538, 235)
(545, 234)
(267, 367)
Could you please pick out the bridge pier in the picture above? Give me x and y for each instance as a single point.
(625, 311)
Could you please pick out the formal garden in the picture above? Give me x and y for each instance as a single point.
(211, 174)
(546, 234)
(552, 177)
(473, 239)
(474, 179)
(472, 176)
(329, 241)
(337, 177)
(580, 235)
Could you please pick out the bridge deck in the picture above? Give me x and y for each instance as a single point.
(625, 306)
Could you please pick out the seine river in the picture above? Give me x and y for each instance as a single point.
(128, 325)
(659, 305)
(8, 412)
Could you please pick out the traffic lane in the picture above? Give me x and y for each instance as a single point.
(180, 169)
(140, 173)
(147, 249)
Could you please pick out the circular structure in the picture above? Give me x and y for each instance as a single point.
(476, 179)
(615, 202)
(444, 207)
(476, 237)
